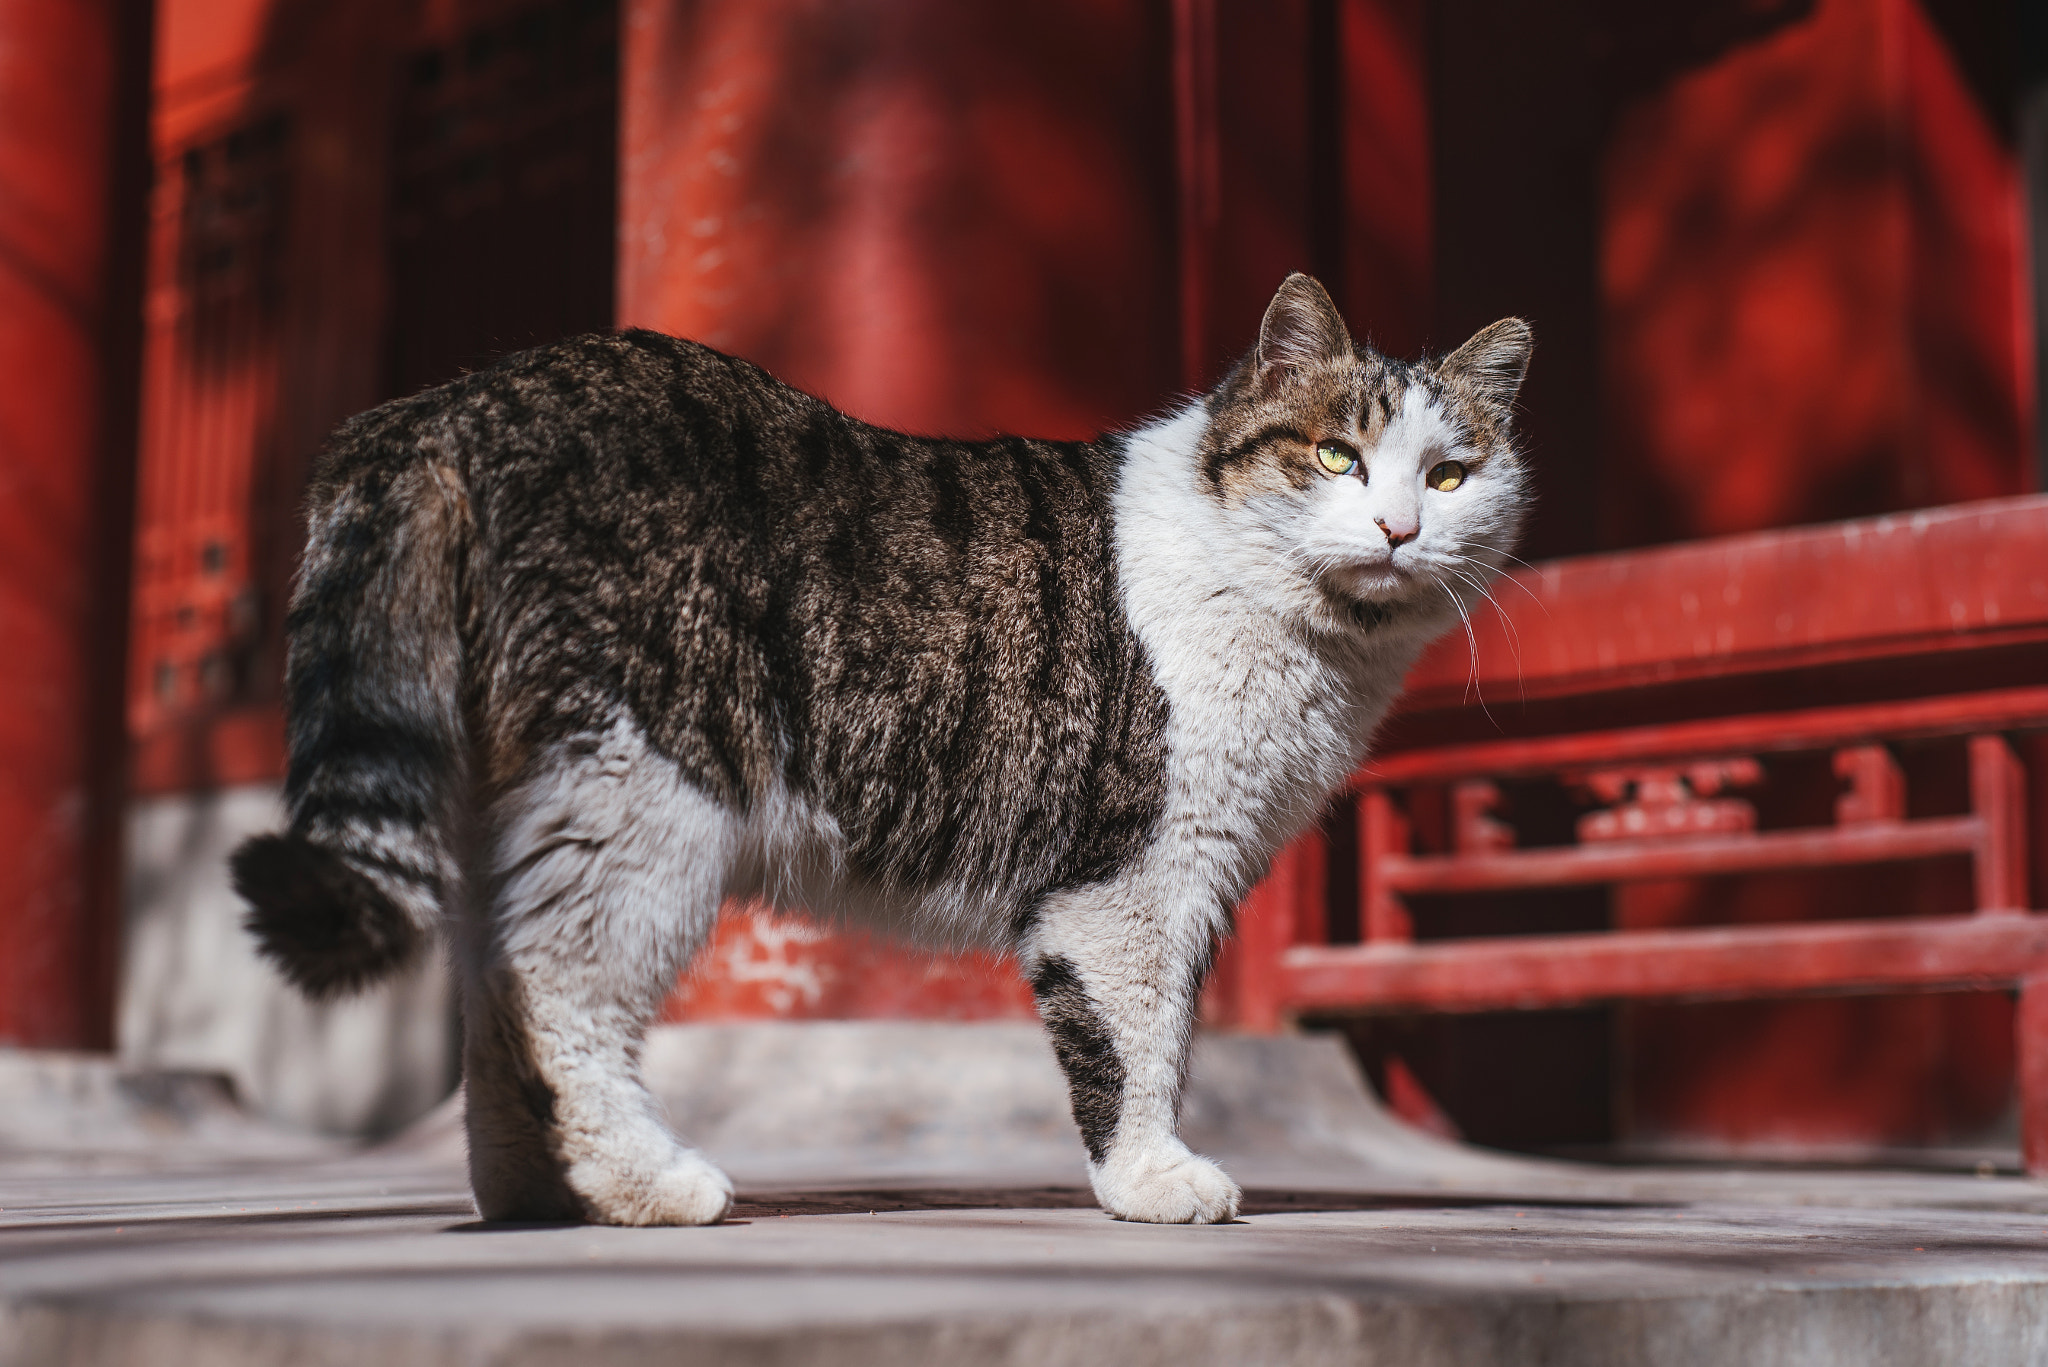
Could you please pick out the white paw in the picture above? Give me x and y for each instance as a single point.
(689, 1191)
(1166, 1187)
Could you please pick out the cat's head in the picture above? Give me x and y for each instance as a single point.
(1386, 488)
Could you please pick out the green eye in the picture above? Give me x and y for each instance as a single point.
(1336, 457)
(1447, 476)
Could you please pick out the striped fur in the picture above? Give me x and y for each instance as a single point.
(378, 749)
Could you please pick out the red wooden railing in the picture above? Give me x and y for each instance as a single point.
(1964, 587)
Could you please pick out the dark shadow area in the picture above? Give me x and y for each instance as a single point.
(515, 1226)
(1522, 1080)
(504, 185)
(1524, 103)
(1257, 1201)
(166, 1227)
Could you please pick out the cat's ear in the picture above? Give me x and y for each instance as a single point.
(1490, 367)
(1301, 329)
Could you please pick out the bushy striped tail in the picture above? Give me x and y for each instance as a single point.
(354, 889)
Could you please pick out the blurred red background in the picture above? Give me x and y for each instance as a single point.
(1776, 255)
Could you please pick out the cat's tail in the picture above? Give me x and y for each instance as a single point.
(378, 755)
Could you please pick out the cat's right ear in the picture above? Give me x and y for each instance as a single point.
(1301, 329)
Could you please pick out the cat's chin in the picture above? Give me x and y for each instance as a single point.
(1346, 614)
(1377, 592)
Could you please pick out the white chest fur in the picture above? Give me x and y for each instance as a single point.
(1268, 716)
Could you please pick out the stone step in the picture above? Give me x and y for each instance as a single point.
(912, 1193)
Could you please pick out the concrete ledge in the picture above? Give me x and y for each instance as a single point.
(864, 1236)
(1395, 1286)
(66, 1110)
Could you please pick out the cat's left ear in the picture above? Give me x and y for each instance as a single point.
(1490, 367)
(1301, 329)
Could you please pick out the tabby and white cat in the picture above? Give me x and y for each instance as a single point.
(588, 642)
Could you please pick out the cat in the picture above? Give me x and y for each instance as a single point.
(590, 641)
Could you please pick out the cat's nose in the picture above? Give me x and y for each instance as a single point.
(1398, 535)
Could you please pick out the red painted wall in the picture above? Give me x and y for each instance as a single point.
(940, 217)
(1811, 286)
(72, 80)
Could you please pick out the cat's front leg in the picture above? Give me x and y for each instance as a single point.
(1116, 975)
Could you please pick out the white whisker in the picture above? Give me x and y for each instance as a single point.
(1471, 646)
(1514, 636)
(1515, 579)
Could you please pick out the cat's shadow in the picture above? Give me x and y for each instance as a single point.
(535, 1226)
(769, 1205)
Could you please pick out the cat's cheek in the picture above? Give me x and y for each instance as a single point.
(1340, 531)
(1346, 504)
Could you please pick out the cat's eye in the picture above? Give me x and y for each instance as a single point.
(1446, 476)
(1336, 457)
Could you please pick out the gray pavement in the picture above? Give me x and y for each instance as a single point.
(913, 1194)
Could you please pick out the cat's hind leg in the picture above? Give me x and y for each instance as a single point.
(602, 875)
(1117, 973)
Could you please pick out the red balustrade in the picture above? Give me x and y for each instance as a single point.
(1684, 798)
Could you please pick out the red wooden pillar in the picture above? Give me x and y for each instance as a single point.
(1998, 797)
(2031, 1027)
(74, 92)
(1268, 922)
(1382, 833)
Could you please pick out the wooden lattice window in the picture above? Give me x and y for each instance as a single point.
(217, 294)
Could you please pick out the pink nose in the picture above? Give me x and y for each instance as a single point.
(1397, 536)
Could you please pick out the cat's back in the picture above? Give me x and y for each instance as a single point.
(626, 409)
